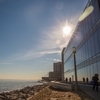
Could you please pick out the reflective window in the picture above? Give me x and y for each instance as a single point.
(89, 72)
(96, 11)
(99, 69)
(82, 53)
(85, 72)
(89, 23)
(89, 48)
(92, 45)
(93, 18)
(95, 68)
(69, 65)
(81, 73)
(96, 42)
(77, 57)
(98, 34)
(86, 50)
(90, 20)
(86, 27)
(92, 72)
(78, 75)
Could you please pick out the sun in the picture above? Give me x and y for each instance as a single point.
(67, 30)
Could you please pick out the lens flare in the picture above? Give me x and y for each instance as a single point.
(86, 13)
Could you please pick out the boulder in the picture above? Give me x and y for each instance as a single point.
(21, 99)
(13, 96)
(22, 95)
(2, 97)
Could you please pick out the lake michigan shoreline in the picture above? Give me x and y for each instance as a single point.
(22, 94)
(44, 91)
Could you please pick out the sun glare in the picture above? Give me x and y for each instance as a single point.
(67, 30)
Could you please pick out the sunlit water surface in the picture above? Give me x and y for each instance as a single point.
(9, 85)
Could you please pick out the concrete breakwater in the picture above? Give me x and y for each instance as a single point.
(22, 94)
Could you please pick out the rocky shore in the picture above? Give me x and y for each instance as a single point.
(22, 94)
(50, 93)
(43, 92)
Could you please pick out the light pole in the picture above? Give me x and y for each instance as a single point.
(76, 83)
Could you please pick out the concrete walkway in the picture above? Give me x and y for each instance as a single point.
(84, 87)
(88, 90)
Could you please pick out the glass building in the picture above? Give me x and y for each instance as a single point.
(86, 39)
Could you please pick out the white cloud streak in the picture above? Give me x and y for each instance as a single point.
(52, 42)
(57, 60)
(6, 63)
(33, 54)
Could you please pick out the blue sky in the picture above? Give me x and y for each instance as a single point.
(31, 36)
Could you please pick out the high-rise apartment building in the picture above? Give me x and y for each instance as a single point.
(57, 67)
(57, 72)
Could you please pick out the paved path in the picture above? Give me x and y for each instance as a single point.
(88, 90)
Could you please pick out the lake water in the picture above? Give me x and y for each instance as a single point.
(9, 85)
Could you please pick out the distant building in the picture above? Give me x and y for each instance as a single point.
(45, 78)
(52, 76)
(57, 72)
(57, 67)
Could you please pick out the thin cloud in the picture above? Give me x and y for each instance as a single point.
(57, 60)
(6, 63)
(52, 42)
(50, 52)
(33, 54)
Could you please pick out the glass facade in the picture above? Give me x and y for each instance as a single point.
(86, 38)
